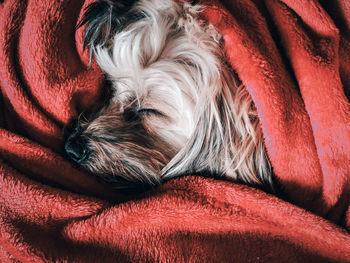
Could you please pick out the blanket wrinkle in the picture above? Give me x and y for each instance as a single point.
(280, 108)
(293, 56)
(328, 117)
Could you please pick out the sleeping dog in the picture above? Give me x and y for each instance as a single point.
(176, 105)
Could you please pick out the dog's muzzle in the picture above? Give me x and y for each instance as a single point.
(75, 144)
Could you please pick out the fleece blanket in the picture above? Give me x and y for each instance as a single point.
(294, 58)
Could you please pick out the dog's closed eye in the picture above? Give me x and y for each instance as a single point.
(149, 111)
(136, 114)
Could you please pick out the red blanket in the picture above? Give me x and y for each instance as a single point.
(294, 58)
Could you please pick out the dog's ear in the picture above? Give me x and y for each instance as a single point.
(105, 18)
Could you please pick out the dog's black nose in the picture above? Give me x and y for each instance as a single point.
(75, 145)
(76, 149)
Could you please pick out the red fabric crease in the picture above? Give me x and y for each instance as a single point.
(293, 57)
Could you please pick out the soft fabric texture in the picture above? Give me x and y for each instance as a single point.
(294, 58)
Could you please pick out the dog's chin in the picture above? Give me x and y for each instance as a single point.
(131, 178)
(130, 174)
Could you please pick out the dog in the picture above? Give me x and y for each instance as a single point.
(176, 106)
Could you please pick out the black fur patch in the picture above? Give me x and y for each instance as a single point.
(105, 18)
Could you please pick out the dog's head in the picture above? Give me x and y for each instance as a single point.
(176, 107)
(145, 51)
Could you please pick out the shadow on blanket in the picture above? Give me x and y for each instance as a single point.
(294, 58)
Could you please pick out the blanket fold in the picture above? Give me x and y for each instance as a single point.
(293, 56)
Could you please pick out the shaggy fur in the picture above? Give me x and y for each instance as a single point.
(176, 108)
